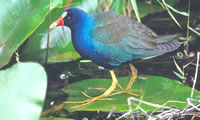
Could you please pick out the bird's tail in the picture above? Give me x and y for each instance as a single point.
(165, 44)
(168, 43)
(168, 46)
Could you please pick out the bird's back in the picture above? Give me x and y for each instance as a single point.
(120, 39)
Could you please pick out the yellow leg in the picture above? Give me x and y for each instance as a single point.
(133, 77)
(131, 81)
(105, 94)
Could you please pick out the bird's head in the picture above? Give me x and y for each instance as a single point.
(72, 18)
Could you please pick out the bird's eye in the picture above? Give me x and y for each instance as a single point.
(68, 17)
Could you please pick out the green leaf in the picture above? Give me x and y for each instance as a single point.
(175, 10)
(167, 6)
(22, 91)
(44, 118)
(179, 75)
(178, 68)
(64, 57)
(135, 8)
(19, 19)
(60, 46)
(193, 30)
(154, 89)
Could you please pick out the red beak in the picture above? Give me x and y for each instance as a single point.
(57, 23)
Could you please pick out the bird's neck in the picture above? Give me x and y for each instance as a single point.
(82, 37)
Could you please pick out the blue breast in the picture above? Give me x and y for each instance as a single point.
(84, 44)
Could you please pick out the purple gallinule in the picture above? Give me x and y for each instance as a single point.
(110, 39)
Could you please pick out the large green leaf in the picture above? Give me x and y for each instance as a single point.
(61, 48)
(19, 19)
(22, 91)
(154, 89)
(53, 118)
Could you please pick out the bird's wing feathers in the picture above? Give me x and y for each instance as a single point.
(121, 37)
(116, 27)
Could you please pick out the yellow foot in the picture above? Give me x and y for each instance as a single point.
(122, 90)
(109, 91)
(101, 97)
(89, 101)
(126, 92)
(131, 81)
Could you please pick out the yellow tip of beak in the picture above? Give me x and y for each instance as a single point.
(53, 25)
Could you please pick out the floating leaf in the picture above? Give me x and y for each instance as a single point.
(54, 118)
(154, 89)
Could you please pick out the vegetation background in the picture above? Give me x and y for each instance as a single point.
(25, 41)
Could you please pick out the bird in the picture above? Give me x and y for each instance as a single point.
(110, 39)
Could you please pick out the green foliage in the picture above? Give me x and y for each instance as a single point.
(168, 7)
(153, 89)
(135, 8)
(19, 19)
(145, 8)
(54, 118)
(23, 85)
(22, 90)
(193, 30)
